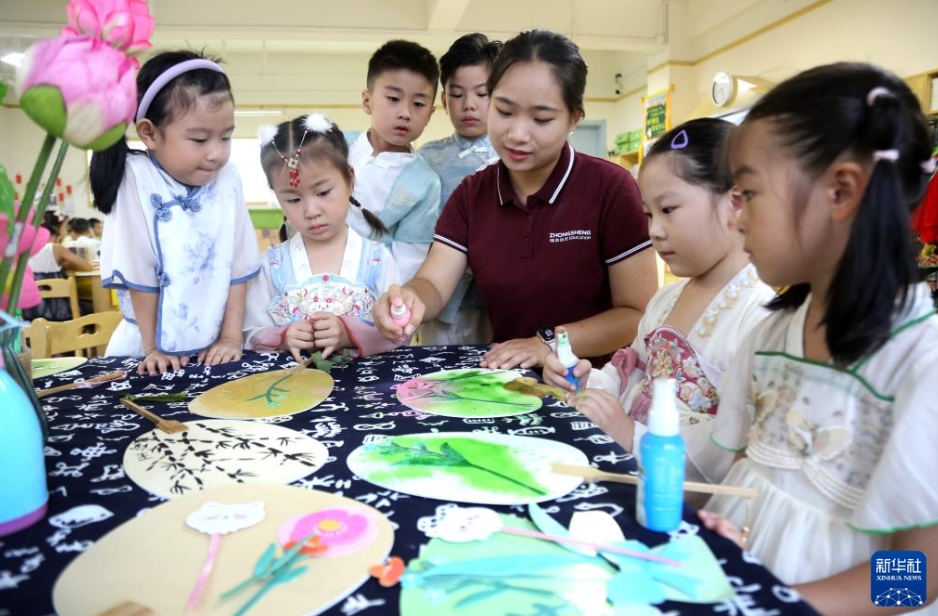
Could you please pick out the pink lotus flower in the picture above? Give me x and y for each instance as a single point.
(124, 24)
(342, 530)
(31, 240)
(79, 89)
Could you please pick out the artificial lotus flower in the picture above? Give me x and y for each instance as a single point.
(31, 240)
(79, 89)
(124, 24)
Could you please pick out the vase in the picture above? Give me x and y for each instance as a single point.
(23, 492)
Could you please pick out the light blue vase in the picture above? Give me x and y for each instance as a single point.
(23, 492)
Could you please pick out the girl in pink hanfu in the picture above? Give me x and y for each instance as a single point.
(317, 289)
(691, 328)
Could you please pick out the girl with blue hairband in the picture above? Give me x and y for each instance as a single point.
(178, 243)
(691, 328)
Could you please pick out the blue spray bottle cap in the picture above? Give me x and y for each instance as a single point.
(566, 356)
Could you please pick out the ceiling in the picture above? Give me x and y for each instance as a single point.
(274, 36)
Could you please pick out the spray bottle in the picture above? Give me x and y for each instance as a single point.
(660, 497)
(400, 314)
(566, 356)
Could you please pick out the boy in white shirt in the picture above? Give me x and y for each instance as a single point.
(391, 179)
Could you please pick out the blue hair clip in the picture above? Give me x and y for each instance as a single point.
(680, 141)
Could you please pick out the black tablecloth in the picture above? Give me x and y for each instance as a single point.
(89, 431)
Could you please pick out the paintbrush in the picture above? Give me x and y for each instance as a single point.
(530, 387)
(594, 475)
(110, 376)
(169, 426)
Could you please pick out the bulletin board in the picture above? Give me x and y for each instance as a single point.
(657, 118)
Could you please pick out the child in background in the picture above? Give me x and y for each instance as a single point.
(81, 239)
(316, 291)
(691, 328)
(464, 71)
(178, 245)
(830, 402)
(390, 178)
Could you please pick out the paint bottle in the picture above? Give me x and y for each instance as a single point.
(400, 314)
(660, 497)
(566, 356)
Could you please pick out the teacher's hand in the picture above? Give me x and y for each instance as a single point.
(524, 352)
(397, 296)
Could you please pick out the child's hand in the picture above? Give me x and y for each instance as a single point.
(524, 352)
(381, 313)
(298, 338)
(155, 363)
(329, 333)
(555, 373)
(223, 351)
(723, 527)
(605, 411)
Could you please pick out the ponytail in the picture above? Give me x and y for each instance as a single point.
(105, 174)
(374, 223)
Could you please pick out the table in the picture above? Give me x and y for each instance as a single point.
(89, 288)
(90, 430)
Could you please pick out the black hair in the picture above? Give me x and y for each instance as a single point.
(330, 146)
(468, 50)
(79, 225)
(94, 221)
(554, 49)
(820, 115)
(407, 55)
(175, 99)
(696, 152)
(52, 220)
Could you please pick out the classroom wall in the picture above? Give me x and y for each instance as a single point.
(759, 40)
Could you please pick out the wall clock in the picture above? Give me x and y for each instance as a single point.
(722, 89)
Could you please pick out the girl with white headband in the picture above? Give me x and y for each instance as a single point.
(830, 403)
(178, 243)
(317, 289)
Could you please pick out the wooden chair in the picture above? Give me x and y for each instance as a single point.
(87, 336)
(67, 288)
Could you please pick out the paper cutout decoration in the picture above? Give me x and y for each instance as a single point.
(266, 394)
(463, 524)
(217, 519)
(468, 467)
(467, 393)
(342, 530)
(216, 452)
(153, 559)
(54, 365)
(513, 574)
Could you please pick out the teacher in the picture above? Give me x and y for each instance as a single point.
(553, 236)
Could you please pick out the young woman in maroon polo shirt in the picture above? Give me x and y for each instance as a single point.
(553, 236)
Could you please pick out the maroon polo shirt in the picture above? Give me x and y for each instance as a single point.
(546, 262)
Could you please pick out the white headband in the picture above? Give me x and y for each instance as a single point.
(168, 75)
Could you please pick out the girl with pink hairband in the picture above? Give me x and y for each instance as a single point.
(178, 243)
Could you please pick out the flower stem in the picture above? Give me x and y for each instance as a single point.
(26, 205)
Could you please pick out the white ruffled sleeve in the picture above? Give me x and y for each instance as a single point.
(260, 331)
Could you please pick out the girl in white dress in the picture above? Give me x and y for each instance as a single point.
(178, 242)
(831, 405)
(317, 289)
(691, 328)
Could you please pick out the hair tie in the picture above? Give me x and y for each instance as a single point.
(168, 75)
(928, 166)
(317, 123)
(876, 93)
(680, 140)
(267, 134)
(891, 155)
